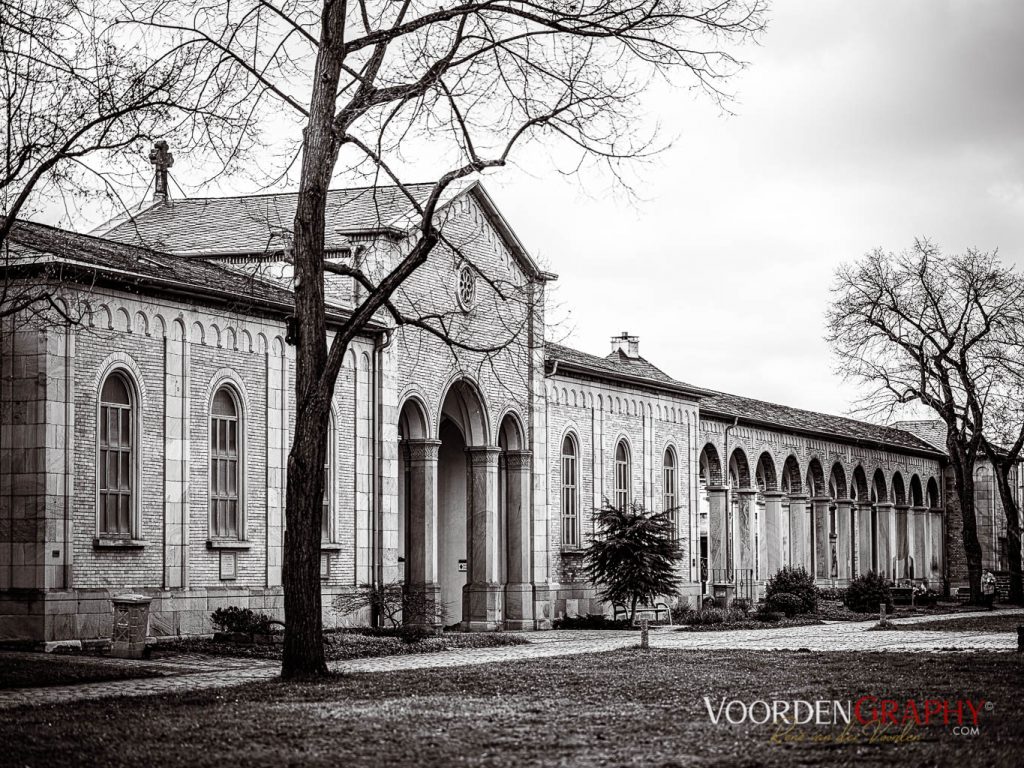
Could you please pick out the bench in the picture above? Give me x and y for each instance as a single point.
(656, 610)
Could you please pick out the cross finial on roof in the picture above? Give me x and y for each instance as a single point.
(161, 159)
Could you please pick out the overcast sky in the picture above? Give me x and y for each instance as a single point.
(857, 125)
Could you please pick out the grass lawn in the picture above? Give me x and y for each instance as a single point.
(976, 622)
(21, 672)
(621, 708)
(344, 646)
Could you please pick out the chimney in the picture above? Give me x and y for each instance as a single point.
(627, 345)
(161, 159)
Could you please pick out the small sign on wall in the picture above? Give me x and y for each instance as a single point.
(463, 566)
(228, 565)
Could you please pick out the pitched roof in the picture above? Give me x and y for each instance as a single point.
(254, 224)
(783, 416)
(617, 367)
(932, 431)
(38, 247)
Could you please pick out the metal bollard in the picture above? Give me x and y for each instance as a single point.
(644, 642)
(881, 613)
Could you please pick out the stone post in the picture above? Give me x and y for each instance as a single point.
(936, 539)
(421, 546)
(519, 589)
(798, 536)
(482, 593)
(844, 542)
(822, 556)
(773, 534)
(885, 537)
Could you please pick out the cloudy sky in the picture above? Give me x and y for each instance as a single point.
(857, 125)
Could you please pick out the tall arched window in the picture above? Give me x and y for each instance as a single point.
(327, 516)
(668, 484)
(621, 475)
(570, 497)
(225, 468)
(117, 479)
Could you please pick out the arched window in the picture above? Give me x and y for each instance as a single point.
(668, 484)
(117, 476)
(570, 497)
(327, 515)
(225, 468)
(621, 475)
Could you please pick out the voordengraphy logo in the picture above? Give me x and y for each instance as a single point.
(877, 714)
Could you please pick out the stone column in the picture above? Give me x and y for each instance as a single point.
(822, 555)
(176, 449)
(864, 552)
(844, 542)
(902, 538)
(917, 526)
(773, 534)
(743, 540)
(937, 553)
(421, 525)
(885, 537)
(798, 535)
(519, 589)
(482, 593)
(718, 535)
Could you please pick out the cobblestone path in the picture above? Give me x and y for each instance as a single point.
(194, 672)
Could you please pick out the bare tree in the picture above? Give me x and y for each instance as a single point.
(79, 99)
(373, 82)
(923, 328)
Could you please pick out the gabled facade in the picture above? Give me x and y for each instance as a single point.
(144, 448)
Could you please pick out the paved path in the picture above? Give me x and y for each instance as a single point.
(194, 672)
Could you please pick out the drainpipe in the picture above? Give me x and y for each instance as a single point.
(380, 343)
(727, 482)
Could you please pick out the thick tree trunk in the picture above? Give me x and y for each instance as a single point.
(303, 654)
(1012, 514)
(963, 474)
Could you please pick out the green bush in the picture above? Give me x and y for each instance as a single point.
(590, 621)
(414, 633)
(242, 620)
(794, 581)
(709, 616)
(768, 616)
(867, 592)
(784, 602)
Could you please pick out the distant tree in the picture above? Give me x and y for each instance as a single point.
(945, 332)
(633, 556)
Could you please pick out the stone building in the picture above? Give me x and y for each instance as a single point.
(144, 448)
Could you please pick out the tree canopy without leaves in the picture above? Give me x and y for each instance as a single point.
(373, 88)
(946, 332)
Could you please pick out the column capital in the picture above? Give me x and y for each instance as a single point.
(773, 495)
(918, 509)
(846, 501)
(797, 497)
(821, 499)
(863, 505)
(885, 505)
(716, 488)
(518, 459)
(746, 491)
(422, 451)
(901, 507)
(483, 455)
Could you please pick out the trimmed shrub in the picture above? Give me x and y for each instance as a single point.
(708, 616)
(794, 581)
(767, 616)
(242, 620)
(590, 621)
(867, 592)
(784, 602)
(414, 633)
